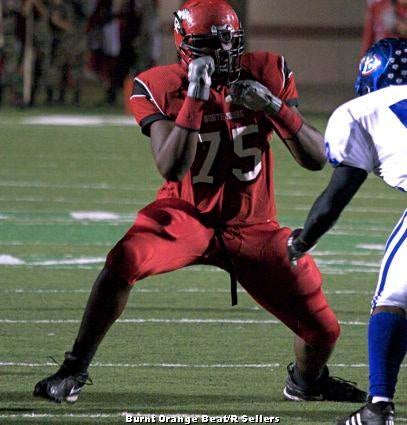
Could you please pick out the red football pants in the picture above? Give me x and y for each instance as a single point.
(170, 234)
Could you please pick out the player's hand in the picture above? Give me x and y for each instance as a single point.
(255, 96)
(296, 248)
(200, 71)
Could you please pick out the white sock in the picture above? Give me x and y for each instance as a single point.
(377, 399)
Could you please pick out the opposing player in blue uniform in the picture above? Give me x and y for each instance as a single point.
(369, 134)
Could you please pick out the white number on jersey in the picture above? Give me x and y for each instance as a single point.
(215, 139)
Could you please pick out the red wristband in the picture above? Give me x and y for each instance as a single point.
(190, 114)
(288, 121)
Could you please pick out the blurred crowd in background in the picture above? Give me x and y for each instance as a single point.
(50, 48)
(384, 18)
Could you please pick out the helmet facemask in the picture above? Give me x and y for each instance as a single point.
(224, 44)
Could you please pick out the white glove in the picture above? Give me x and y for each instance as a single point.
(200, 71)
(255, 96)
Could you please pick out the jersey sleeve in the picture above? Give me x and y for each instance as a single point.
(272, 71)
(145, 107)
(288, 87)
(347, 142)
(282, 84)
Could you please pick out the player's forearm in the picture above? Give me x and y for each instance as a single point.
(344, 184)
(177, 153)
(322, 216)
(179, 147)
(307, 147)
(305, 143)
(174, 146)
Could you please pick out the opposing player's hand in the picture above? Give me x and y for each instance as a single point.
(200, 71)
(296, 248)
(255, 96)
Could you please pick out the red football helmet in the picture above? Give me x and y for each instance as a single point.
(210, 28)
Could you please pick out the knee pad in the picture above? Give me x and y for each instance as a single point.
(327, 331)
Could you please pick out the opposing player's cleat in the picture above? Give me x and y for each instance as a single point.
(328, 388)
(381, 413)
(64, 385)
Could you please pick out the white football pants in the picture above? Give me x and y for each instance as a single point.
(391, 288)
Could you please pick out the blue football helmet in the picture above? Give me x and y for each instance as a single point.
(384, 64)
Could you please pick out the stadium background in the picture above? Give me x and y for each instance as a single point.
(71, 182)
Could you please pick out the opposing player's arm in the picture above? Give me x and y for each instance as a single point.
(327, 208)
(344, 184)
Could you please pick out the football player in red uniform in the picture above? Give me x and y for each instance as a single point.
(209, 118)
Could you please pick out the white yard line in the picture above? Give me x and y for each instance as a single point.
(110, 187)
(164, 291)
(363, 251)
(183, 365)
(126, 201)
(357, 210)
(69, 261)
(299, 182)
(93, 263)
(94, 215)
(8, 260)
(37, 416)
(92, 186)
(342, 271)
(345, 252)
(343, 261)
(373, 247)
(183, 321)
(46, 243)
(64, 200)
(80, 120)
(70, 218)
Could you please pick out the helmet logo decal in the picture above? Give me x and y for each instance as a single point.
(383, 65)
(369, 65)
(181, 15)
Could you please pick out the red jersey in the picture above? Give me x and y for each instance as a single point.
(231, 179)
(384, 18)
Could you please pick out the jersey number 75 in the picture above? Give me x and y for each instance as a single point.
(238, 134)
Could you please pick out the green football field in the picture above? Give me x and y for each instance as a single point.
(67, 193)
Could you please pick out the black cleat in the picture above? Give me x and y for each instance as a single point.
(64, 385)
(381, 413)
(327, 388)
